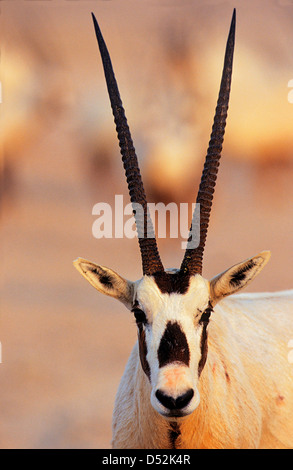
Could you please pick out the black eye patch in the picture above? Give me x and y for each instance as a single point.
(140, 316)
(206, 315)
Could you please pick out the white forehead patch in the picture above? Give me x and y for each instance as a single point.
(153, 301)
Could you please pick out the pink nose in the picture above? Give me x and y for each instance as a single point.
(175, 403)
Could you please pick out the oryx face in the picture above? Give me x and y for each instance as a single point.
(172, 312)
(172, 340)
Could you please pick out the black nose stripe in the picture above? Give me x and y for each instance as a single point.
(173, 346)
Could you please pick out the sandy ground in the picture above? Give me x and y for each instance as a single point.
(64, 346)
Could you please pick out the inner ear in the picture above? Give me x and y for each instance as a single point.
(105, 278)
(106, 281)
(237, 277)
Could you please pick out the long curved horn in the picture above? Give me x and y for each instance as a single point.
(151, 261)
(192, 262)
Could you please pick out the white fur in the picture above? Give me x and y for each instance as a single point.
(246, 387)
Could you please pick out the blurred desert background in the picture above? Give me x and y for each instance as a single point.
(64, 346)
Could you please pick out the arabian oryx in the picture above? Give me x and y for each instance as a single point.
(207, 371)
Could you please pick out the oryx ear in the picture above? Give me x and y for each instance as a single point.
(106, 281)
(237, 277)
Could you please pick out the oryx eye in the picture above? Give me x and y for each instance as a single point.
(140, 316)
(206, 315)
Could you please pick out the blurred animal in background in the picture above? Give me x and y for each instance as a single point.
(206, 371)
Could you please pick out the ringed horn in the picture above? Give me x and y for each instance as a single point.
(151, 261)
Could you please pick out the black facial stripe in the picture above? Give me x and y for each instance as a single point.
(173, 346)
(205, 316)
(203, 348)
(140, 316)
(143, 351)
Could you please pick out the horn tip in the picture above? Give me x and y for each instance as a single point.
(96, 26)
(233, 21)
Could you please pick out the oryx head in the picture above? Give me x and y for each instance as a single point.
(172, 308)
